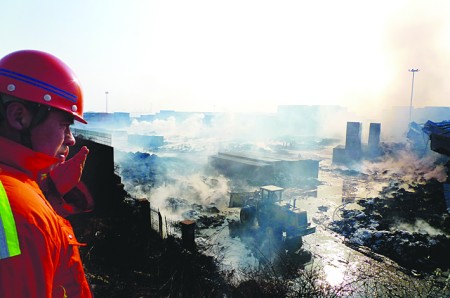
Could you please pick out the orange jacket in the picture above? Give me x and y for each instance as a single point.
(49, 264)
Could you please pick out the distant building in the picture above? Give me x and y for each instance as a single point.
(107, 120)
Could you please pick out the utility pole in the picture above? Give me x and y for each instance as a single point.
(106, 94)
(412, 91)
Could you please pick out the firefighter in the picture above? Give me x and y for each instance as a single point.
(40, 97)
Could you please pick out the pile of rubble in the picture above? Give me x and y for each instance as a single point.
(409, 226)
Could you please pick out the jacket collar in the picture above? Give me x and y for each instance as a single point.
(21, 158)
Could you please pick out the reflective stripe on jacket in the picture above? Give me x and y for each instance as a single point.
(9, 242)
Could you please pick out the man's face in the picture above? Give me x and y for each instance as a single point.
(53, 136)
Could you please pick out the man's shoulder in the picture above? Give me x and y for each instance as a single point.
(26, 200)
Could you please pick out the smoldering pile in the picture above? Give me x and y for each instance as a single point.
(206, 216)
(410, 226)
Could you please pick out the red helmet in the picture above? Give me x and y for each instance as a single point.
(42, 78)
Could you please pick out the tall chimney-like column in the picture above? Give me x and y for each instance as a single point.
(374, 139)
(353, 140)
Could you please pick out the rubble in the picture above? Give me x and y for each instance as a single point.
(410, 227)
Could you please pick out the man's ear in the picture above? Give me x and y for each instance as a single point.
(18, 116)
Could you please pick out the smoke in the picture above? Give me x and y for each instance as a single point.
(439, 173)
(420, 226)
(184, 191)
(417, 37)
(191, 127)
(189, 141)
(188, 182)
(184, 176)
(407, 166)
(201, 134)
(210, 133)
(187, 178)
(408, 35)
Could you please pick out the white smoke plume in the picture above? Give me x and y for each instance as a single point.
(407, 166)
(420, 226)
(179, 196)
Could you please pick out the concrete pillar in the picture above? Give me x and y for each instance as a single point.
(188, 234)
(353, 140)
(374, 139)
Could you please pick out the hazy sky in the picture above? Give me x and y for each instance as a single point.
(209, 55)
